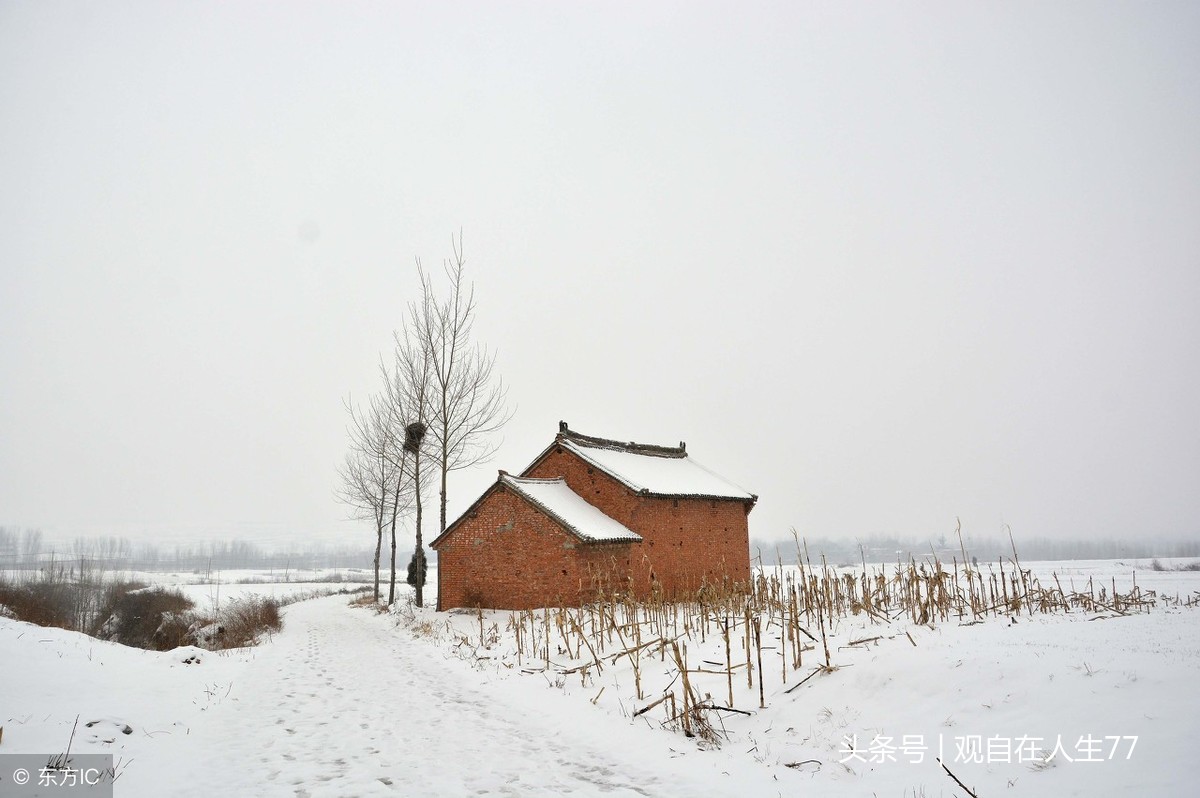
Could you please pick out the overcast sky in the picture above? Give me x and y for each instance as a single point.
(882, 264)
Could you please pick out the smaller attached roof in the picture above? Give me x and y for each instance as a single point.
(566, 507)
(659, 470)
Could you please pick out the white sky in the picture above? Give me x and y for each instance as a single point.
(882, 264)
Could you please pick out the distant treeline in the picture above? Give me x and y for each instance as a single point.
(28, 549)
(25, 548)
(881, 549)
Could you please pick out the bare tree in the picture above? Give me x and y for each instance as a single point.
(436, 413)
(405, 386)
(411, 389)
(370, 478)
(467, 401)
(360, 489)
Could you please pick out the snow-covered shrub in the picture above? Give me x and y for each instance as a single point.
(145, 618)
(209, 636)
(174, 630)
(246, 619)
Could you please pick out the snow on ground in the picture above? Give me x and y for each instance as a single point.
(993, 700)
(209, 597)
(338, 704)
(345, 701)
(212, 588)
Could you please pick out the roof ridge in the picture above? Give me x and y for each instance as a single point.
(648, 449)
(638, 485)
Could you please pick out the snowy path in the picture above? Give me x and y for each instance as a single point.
(343, 704)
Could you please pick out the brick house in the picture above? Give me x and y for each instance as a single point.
(592, 513)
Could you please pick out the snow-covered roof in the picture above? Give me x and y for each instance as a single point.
(658, 470)
(569, 509)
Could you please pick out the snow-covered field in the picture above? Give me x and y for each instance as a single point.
(346, 701)
(211, 588)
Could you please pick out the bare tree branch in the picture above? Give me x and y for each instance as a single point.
(468, 403)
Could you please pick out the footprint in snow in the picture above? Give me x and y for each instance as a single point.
(106, 730)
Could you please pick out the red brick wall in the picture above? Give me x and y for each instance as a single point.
(508, 555)
(685, 541)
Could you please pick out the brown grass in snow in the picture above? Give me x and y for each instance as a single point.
(779, 617)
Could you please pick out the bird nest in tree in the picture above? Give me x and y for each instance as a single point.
(413, 434)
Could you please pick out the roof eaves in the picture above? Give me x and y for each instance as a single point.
(752, 498)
